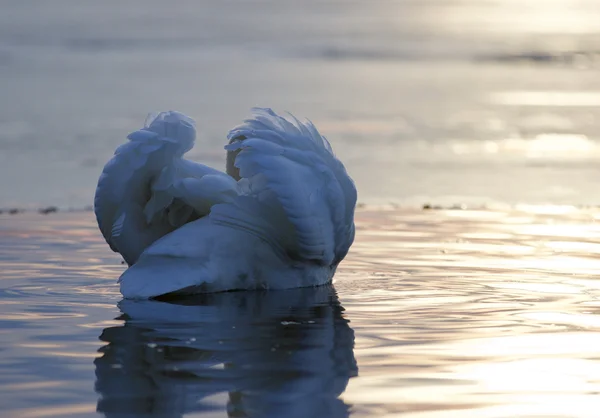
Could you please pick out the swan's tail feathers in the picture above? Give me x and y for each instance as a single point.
(125, 184)
(288, 168)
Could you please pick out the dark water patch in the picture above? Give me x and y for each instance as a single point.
(132, 44)
(47, 210)
(579, 59)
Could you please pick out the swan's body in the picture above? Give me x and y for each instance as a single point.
(281, 217)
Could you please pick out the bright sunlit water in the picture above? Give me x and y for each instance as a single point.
(434, 314)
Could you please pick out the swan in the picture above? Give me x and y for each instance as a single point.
(281, 216)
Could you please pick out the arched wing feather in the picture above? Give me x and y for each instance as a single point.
(290, 172)
(148, 190)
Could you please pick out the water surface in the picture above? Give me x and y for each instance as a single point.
(433, 314)
(442, 101)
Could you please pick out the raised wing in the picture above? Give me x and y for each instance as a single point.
(297, 194)
(148, 190)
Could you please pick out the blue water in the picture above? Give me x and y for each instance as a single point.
(433, 314)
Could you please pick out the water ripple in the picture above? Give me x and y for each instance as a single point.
(446, 313)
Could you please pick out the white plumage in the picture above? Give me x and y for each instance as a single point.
(282, 216)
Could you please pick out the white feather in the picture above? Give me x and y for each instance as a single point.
(140, 197)
(184, 227)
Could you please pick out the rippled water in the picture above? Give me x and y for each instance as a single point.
(441, 313)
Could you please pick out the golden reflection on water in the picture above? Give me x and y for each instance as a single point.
(510, 16)
(59, 411)
(547, 98)
(475, 313)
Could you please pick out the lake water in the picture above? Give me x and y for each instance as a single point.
(447, 101)
(434, 314)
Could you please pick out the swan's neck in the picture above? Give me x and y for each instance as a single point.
(230, 167)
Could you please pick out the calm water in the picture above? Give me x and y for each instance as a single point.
(424, 100)
(434, 314)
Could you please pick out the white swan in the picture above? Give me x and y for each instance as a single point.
(281, 217)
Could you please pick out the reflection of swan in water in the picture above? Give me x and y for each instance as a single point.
(282, 353)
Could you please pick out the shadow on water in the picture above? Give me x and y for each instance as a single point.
(268, 354)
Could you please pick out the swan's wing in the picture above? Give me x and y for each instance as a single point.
(297, 194)
(187, 189)
(147, 190)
